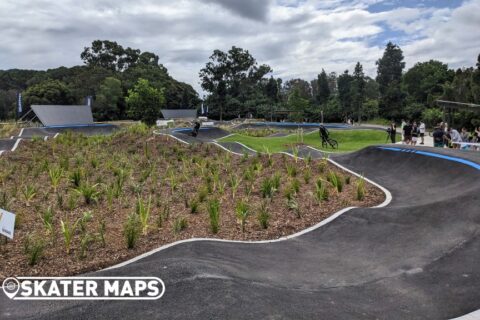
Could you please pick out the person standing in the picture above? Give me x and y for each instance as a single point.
(422, 129)
(401, 129)
(415, 133)
(392, 131)
(407, 133)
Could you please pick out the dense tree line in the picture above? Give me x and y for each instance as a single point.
(109, 73)
(127, 83)
(238, 86)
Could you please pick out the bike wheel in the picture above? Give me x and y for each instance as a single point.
(333, 143)
(324, 144)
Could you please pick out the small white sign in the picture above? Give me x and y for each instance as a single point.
(7, 223)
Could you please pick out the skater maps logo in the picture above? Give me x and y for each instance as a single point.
(84, 288)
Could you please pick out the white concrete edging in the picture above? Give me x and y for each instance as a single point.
(15, 146)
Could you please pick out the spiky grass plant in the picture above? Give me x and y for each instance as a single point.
(269, 156)
(323, 164)
(308, 159)
(267, 188)
(276, 180)
(295, 154)
(72, 201)
(76, 177)
(292, 205)
(68, 230)
(249, 175)
(55, 174)
(47, 219)
(85, 241)
(132, 230)
(336, 180)
(121, 175)
(361, 189)
(234, 184)
(202, 193)
(84, 220)
(263, 216)
(295, 185)
(291, 170)
(179, 224)
(321, 191)
(89, 192)
(213, 208)
(307, 175)
(102, 229)
(143, 211)
(163, 216)
(33, 248)
(29, 192)
(194, 204)
(242, 211)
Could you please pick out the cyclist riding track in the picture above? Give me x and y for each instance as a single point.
(415, 257)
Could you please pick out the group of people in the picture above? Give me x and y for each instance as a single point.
(443, 135)
(411, 132)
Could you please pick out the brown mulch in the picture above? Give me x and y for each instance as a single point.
(136, 153)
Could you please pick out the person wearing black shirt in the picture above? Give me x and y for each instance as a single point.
(196, 128)
(407, 133)
(415, 134)
(438, 137)
(392, 132)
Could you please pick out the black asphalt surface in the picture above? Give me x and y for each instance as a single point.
(7, 144)
(417, 258)
(204, 135)
(52, 131)
(236, 147)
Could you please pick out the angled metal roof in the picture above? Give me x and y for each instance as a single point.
(63, 115)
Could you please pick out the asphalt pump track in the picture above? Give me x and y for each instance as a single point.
(416, 258)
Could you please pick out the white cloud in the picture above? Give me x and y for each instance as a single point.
(296, 38)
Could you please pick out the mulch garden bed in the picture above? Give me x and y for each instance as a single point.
(173, 176)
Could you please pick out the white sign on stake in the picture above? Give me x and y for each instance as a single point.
(7, 223)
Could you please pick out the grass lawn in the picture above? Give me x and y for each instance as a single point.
(348, 140)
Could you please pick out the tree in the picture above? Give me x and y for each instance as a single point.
(297, 104)
(358, 90)
(231, 79)
(426, 79)
(48, 92)
(303, 87)
(110, 55)
(332, 82)
(389, 76)
(108, 97)
(272, 90)
(323, 89)
(144, 102)
(345, 93)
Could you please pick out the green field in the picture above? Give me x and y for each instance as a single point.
(348, 140)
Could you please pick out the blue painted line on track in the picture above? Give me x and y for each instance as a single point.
(434, 155)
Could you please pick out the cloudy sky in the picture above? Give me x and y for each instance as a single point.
(297, 38)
